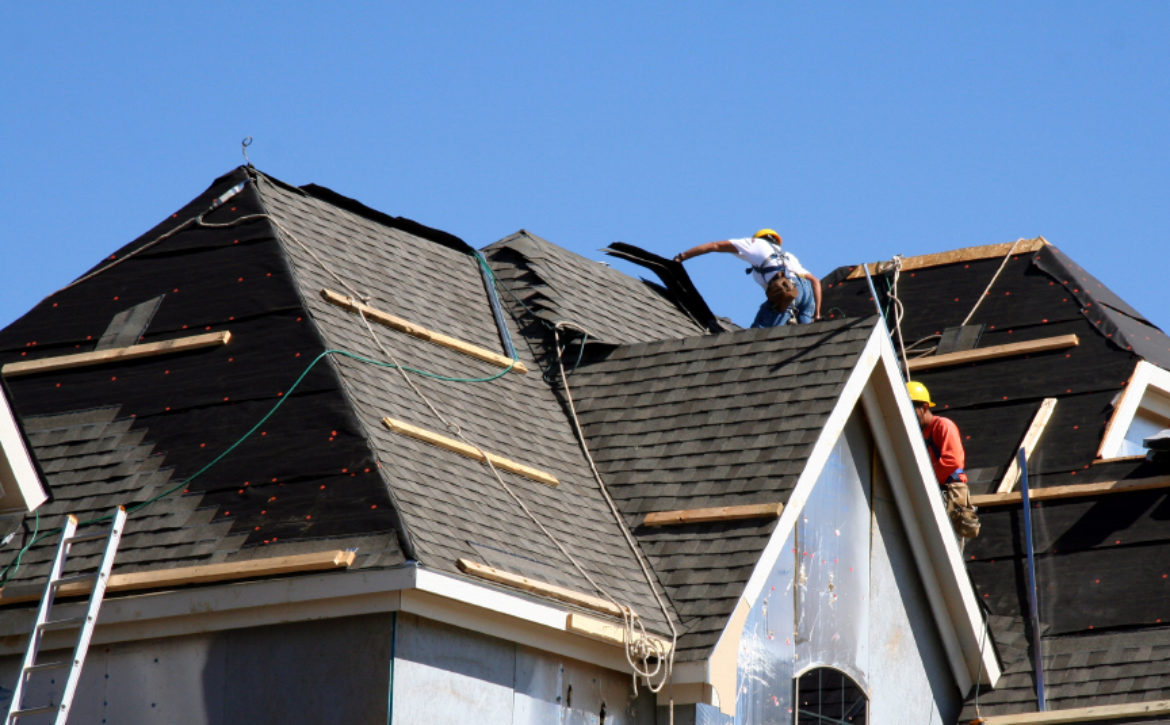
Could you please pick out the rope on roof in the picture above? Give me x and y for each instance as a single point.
(994, 277)
(641, 649)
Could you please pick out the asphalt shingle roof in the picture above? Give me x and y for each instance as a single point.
(720, 420)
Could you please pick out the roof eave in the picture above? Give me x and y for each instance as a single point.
(414, 589)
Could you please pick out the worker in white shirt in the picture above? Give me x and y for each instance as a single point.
(791, 290)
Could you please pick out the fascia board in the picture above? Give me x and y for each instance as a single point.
(225, 606)
(22, 487)
(951, 596)
(429, 594)
(1145, 375)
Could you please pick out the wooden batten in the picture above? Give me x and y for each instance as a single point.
(463, 449)
(1092, 713)
(1044, 344)
(516, 581)
(1031, 438)
(115, 354)
(187, 575)
(967, 254)
(1080, 490)
(422, 333)
(608, 632)
(720, 513)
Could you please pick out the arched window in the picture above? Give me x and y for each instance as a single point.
(825, 695)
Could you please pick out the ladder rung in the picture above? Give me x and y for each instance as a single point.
(48, 666)
(69, 623)
(88, 537)
(36, 710)
(74, 579)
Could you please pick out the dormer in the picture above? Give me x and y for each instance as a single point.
(1143, 410)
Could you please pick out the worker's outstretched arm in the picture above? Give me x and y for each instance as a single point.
(816, 285)
(721, 246)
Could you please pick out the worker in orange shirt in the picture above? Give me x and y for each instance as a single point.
(947, 458)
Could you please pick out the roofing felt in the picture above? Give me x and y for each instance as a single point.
(720, 420)
(304, 480)
(1107, 668)
(1034, 296)
(1100, 561)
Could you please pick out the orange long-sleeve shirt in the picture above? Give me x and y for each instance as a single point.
(946, 449)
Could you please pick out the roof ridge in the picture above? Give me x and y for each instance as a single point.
(964, 254)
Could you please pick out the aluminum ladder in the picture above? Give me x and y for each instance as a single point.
(84, 624)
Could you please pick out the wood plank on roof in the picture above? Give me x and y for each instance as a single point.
(1079, 490)
(116, 354)
(469, 451)
(1031, 438)
(199, 574)
(1044, 344)
(422, 333)
(718, 513)
(523, 583)
(608, 632)
(967, 254)
(1091, 713)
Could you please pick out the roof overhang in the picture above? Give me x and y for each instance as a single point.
(876, 384)
(432, 595)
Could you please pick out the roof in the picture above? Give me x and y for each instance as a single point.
(1100, 558)
(312, 467)
(296, 427)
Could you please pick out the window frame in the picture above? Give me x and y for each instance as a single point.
(1148, 392)
(796, 709)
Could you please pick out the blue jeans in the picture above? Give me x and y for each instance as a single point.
(804, 307)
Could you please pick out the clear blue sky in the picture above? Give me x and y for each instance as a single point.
(858, 130)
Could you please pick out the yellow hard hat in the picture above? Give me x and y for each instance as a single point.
(918, 392)
(767, 233)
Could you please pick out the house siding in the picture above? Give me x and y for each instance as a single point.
(446, 675)
(325, 671)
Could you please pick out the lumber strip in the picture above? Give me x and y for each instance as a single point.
(1091, 713)
(1031, 438)
(397, 323)
(116, 354)
(719, 513)
(1080, 490)
(199, 574)
(979, 354)
(516, 581)
(966, 254)
(607, 632)
(463, 449)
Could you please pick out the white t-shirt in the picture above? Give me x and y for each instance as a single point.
(762, 253)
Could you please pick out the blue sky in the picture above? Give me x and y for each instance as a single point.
(859, 131)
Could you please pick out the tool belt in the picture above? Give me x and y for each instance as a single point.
(959, 509)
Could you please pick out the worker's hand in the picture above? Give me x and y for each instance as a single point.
(678, 257)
